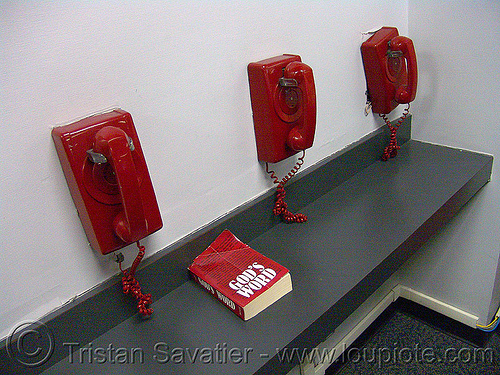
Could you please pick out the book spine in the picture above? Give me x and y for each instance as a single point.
(226, 301)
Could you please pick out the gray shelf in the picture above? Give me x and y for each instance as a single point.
(358, 233)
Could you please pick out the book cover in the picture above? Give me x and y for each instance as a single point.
(240, 277)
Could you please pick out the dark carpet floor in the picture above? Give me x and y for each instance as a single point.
(410, 339)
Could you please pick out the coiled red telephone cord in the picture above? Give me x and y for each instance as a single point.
(280, 206)
(131, 285)
(392, 149)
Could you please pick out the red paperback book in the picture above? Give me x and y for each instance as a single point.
(240, 277)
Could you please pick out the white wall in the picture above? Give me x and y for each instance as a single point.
(179, 67)
(457, 45)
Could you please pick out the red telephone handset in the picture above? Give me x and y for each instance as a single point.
(301, 136)
(390, 66)
(283, 98)
(406, 93)
(102, 160)
(130, 224)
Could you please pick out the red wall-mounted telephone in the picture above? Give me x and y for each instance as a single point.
(283, 99)
(108, 178)
(390, 67)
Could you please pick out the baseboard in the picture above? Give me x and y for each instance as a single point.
(437, 306)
